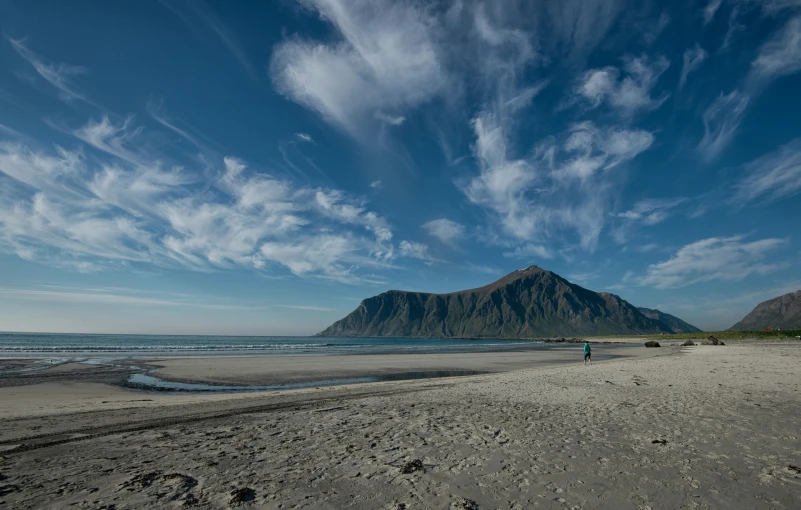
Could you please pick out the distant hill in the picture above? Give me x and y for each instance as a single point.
(782, 312)
(530, 302)
(673, 323)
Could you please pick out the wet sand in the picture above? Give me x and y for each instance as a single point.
(708, 427)
(282, 369)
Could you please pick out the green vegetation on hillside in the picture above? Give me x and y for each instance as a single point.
(734, 335)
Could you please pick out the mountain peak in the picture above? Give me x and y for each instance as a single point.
(529, 302)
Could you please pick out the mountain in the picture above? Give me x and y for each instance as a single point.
(782, 312)
(530, 302)
(673, 323)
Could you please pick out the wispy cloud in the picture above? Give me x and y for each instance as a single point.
(693, 58)
(774, 176)
(100, 298)
(710, 10)
(629, 94)
(191, 10)
(713, 259)
(529, 250)
(562, 185)
(127, 207)
(779, 56)
(721, 122)
(307, 308)
(447, 231)
(645, 213)
(57, 75)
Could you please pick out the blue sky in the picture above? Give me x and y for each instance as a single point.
(259, 168)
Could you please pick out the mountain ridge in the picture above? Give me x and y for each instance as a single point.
(676, 325)
(781, 312)
(530, 302)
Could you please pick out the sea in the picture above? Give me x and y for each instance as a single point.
(67, 345)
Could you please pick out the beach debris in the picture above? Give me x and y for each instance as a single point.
(688, 343)
(659, 441)
(242, 495)
(711, 340)
(412, 466)
(464, 504)
(794, 468)
(652, 343)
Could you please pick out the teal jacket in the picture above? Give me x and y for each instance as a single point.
(587, 349)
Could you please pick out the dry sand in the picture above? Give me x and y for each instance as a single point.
(712, 427)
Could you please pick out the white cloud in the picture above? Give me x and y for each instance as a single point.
(713, 259)
(385, 61)
(693, 58)
(560, 186)
(447, 231)
(773, 176)
(126, 207)
(414, 250)
(632, 93)
(303, 137)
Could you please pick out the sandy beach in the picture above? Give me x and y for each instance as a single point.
(698, 427)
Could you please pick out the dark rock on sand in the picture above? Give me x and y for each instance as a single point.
(242, 495)
(711, 340)
(688, 343)
(464, 504)
(411, 467)
(142, 480)
(8, 489)
(652, 343)
(659, 441)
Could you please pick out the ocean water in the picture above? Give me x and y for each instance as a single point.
(119, 346)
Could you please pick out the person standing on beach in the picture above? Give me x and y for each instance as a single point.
(587, 353)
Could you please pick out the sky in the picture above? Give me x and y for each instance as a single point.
(259, 168)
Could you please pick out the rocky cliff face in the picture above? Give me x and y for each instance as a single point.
(782, 312)
(675, 324)
(531, 302)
